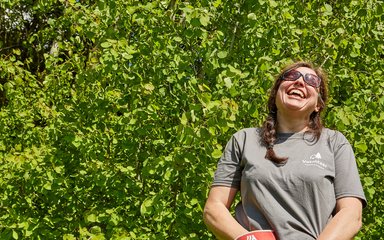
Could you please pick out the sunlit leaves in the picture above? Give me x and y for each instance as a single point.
(114, 114)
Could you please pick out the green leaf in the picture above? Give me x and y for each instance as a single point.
(15, 235)
(222, 54)
(48, 186)
(362, 12)
(17, 51)
(252, 16)
(106, 45)
(184, 119)
(261, 2)
(194, 201)
(361, 146)
(204, 20)
(273, 3)
(146, 206)
(216, 153)
(328, 7)
(228, 82)
(340, 30)
(178, 39)
(91, 218)
(195, 22)
(368, 181)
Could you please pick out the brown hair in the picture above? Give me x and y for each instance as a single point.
(268, 131)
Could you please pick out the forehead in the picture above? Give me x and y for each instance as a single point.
(305, 70)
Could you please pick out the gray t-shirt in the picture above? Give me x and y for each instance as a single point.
(295, 199)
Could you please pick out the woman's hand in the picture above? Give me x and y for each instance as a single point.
(217, 216)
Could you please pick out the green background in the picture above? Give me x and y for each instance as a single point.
(113, 114)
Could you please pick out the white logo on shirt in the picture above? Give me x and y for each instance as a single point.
(315, 160)
(315, 156)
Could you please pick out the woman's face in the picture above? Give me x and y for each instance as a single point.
(297, 97)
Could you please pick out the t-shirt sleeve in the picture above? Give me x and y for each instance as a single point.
(347, 180)
(228, 172)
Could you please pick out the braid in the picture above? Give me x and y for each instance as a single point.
(269, 137)
(315, 125)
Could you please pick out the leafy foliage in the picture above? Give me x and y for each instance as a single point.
(114, 113)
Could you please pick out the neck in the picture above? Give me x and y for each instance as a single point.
(291, 124)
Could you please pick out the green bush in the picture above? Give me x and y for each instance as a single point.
(114, 113)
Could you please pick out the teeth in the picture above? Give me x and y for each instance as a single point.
(296, 92)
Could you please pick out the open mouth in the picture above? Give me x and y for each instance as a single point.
(296, 92)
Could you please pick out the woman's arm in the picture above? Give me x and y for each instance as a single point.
(347, 221)
(217, 216)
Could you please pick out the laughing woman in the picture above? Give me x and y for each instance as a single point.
(297, 179)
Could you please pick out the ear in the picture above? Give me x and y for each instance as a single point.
(320, 103)
(318, 106)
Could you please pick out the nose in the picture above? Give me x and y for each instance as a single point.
(300, 81)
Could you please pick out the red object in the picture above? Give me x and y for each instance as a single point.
(258, 235)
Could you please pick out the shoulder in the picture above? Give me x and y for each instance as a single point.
(334, 137)
(247, 132)
(247, 135)
(333, 134)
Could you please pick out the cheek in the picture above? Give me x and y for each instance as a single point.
(313, 93)
(282, 89)
(278, 98)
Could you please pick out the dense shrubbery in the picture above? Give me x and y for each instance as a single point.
(113, 113)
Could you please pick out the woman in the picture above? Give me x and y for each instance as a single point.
(296, 177)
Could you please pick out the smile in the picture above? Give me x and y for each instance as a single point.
(296, 92)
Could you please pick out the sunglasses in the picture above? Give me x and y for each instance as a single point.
(310, 79)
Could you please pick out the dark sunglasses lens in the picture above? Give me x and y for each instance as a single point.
(312, 80)
(292, 75)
